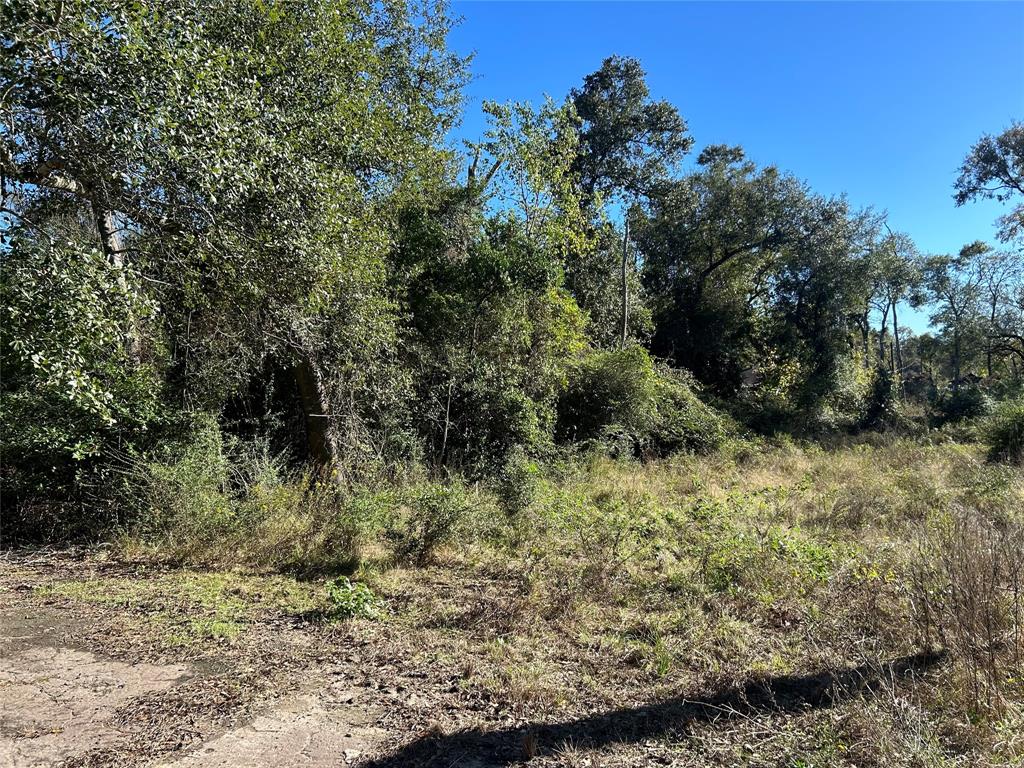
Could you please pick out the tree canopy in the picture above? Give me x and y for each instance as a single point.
(251, 214)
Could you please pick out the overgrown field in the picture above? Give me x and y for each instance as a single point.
(797, 605)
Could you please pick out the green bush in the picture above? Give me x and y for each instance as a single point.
(882, 408)
(184, 487)
(518, 483)
(623, 400)
(964, 404)
(207, 499)
(348, 600)
(1004, 432)
(430, 518)
(72, 394)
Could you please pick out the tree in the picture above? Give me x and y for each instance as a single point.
(953, 284)
(709, 244)
(489, 333)
(753, 277)
(1000, 277)
(627, 146)
(628, 143)
(994, 168)
(899, 274)
(237, 166)
(812, 294)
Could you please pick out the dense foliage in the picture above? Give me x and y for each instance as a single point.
(244, 220)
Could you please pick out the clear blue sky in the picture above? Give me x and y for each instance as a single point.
(877, 100)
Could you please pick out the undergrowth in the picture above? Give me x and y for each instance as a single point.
(696, 571)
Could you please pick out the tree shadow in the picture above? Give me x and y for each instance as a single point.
(781, 694)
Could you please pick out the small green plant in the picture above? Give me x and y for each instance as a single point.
(351, 600)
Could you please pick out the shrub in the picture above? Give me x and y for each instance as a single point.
(1004, 432)
(347, 600)
(430, 518)
(964, 404)
(582, 539)
(185, 487)
(518, 483)
(623, 400)
(206, 502)
(882, 404)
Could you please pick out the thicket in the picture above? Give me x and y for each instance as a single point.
(244, 276)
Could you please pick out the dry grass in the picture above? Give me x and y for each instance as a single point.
(618, 584)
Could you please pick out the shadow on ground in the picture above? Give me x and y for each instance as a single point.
(782, 694)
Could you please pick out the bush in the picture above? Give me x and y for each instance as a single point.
(582, 539)
(430, 518)
(964, 404)
(205, 501)
(1004, 432)
(623, 400)
(185, 487)
(882, 404)
(518, 482)
(347, 600)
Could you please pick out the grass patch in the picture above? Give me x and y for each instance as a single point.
(187, 607)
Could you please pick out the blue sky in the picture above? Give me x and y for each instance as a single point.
(877, 100)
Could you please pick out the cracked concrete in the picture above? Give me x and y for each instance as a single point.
(57, 701)
(298, 733)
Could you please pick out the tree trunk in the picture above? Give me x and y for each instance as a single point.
(988, 338)
(447, 422)
(896, 338)
(881, 336)
(322, 446)
(114, 250)
(956, 360)
(865, 332)
(625, 287)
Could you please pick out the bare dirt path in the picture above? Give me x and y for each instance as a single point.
(58, 700)
(62, 704)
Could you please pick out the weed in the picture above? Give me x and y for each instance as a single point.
(968, 595)
(430, 518)
(349, 600)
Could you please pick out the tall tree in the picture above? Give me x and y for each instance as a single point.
(709, 244)
(1001, 278)
(628, 143)
(994, 168)
(236, 164)
(899, 273)
(953, 284)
